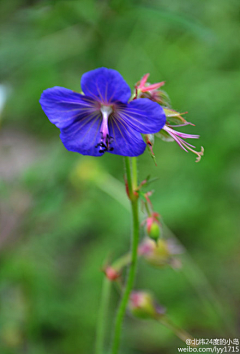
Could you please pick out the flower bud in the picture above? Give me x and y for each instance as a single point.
(161, 252)
(154, 231)
(111, 273)
(143, 305)
(158, 96)
(153, 226)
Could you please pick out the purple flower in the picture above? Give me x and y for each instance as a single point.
(102, 119)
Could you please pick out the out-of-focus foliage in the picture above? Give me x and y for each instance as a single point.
(60, 218)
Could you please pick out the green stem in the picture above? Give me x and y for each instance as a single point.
(132, 268)
(134, 173)
(102, 320)
(129, 177)
(180, 333)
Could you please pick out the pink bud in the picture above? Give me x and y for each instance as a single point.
(153, 226)
(161, 253)
(111, 273)
(143, 305)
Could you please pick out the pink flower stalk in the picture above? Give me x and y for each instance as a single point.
(178, 137)
(147, 195)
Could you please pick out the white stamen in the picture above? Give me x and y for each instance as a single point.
(106, 111)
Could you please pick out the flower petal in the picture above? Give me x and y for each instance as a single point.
(63, 106)
(126, 141)
(105, 85)
(143, 115)
(83, 136)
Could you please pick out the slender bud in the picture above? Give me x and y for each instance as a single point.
(149, 139)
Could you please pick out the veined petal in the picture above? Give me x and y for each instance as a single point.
(126, 141)
(83, 135)
(143, 115)
(105, 85)
(63, 106)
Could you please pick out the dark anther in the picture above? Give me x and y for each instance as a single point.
(109, 139)
(101, 144)
(105, 146)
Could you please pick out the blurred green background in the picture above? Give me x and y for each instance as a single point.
(60, 217)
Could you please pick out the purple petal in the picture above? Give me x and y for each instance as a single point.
(126, 141)
(105, 85)
(143, 115)
(83, 136)
(63, 106)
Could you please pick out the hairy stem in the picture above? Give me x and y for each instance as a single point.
(134, 173)
(133, 265)
(129, 177)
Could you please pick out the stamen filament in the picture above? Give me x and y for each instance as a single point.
(178, 137)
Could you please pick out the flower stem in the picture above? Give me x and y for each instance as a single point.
(129, 177)
(180, 333)
(133, 265)
(102, 316)
(134, 173)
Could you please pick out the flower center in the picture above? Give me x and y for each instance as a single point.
(106, 139)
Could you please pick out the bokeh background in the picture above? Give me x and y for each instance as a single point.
(63, 215)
